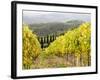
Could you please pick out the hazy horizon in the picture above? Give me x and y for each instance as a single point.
(32, 17)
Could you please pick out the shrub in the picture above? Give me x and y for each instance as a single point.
(31, 47)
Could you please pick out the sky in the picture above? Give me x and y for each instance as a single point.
(31, 17)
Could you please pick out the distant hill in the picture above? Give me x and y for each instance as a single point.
(44, 29)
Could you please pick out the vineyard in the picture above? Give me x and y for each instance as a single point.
(71, 49)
